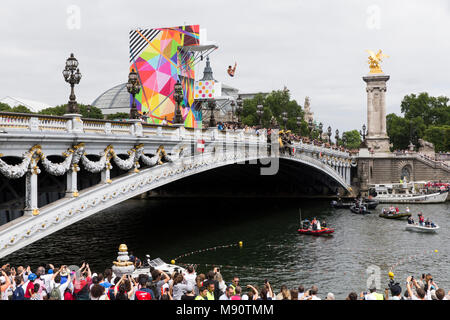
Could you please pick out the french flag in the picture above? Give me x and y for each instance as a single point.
(201, 146)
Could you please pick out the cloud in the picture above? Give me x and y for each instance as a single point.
(315, 48)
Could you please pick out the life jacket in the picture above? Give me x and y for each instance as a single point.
(378, 296)
(210, 296)
(199, 297)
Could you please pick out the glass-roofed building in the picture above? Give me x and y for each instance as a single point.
(114, 100)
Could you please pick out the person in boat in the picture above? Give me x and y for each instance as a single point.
(391, 209)
(324, 224)
(410, 220)
(306, 224)
(427, 223)
(421, 219)
(432, 225)
(397, 210)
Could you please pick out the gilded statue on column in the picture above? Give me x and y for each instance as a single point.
(375, 61)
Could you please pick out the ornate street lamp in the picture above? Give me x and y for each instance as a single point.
(212, 120)
(344, 140)
(329, 134)
(337, 137)
(72, 76)
(260, 112)
(311, 128)
(285, 119)
(320, 131)
(299, 124)
(133, 88)
(239, 108)
(178, 97)
(363, 133)
(232, 104)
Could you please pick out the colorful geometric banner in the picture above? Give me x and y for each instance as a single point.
(155, 55)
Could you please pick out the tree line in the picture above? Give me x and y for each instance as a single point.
(87, 111)
(424, 117)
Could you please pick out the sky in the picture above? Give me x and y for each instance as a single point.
(314, 48)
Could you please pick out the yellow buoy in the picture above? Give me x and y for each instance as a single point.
(241, 244)
(436, 251)
(172, 262)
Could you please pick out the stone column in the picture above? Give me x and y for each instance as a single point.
(72, 181)
(31, 191)
(106, 173)
(377, 138)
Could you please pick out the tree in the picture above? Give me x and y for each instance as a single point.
(4, 107)
(21, 109)
(94, 113)
(433, 110)
(275, 104)
(439, 136)
(353, 139)
(119, 115)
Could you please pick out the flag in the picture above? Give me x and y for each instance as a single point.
(201, 146)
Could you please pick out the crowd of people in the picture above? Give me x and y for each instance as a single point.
(50, 283)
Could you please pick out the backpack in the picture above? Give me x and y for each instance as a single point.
(18, 294)
(55, 294)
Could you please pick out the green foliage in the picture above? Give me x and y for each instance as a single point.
(5, 107)
(439, 136)
(274, 104)
(21, 109)
(353, 139)
(95, 113)
(433, 110)
(119, 115)
(425, 116)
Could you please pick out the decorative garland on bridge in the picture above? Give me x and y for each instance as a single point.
(76, 155)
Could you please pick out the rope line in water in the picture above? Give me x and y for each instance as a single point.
(240, 244)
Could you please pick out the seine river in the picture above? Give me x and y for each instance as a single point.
(272, 248)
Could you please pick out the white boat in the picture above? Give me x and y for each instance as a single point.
(406, 193)
(419, 228)
(158, 264)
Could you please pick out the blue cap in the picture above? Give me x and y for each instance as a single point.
(32, 277)
(50, 271)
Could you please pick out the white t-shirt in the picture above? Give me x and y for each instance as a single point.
(224, 297)
(190, 278)
(314, 297)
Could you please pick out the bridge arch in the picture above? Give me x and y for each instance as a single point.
(61, 213)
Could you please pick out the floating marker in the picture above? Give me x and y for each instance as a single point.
(241, 244)
(172, 262)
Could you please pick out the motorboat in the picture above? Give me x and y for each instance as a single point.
(371, 203)
(394, 215)
(359, 210)
(341, 205)
(158, 264)
(406, 193)
(306, 228)
(419, 228)
(323, 231)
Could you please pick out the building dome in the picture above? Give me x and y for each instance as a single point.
(114, 100)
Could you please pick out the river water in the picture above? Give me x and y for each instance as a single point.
(272, 248)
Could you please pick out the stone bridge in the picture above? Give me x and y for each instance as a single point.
(130, 158)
